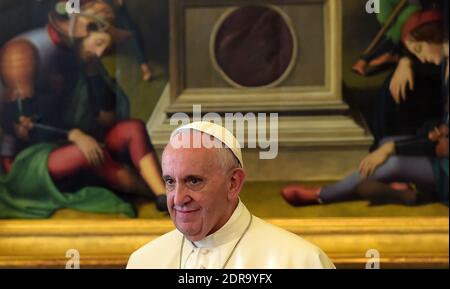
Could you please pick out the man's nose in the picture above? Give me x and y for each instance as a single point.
(181, 195)
(100, 51)
(422, 59)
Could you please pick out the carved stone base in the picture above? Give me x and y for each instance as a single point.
(310, 148)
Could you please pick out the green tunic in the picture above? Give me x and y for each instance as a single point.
(29, 192)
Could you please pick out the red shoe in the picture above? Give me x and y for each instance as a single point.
(298, 195)
(360, 67)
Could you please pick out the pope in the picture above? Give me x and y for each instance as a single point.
(204, 174)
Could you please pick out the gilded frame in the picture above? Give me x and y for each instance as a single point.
(413, 242)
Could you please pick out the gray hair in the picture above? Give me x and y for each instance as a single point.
(227, 159)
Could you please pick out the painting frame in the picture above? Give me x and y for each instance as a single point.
(403, 242)
(415, 242)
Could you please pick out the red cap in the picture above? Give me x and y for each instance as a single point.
(420, 18)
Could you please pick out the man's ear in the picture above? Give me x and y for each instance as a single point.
(236, 183)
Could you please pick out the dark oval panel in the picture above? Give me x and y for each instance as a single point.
(254, 46)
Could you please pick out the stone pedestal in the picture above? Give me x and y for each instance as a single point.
(217, 46)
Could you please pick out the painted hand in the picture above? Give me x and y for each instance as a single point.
(22, 129)
(442, 148)
(402, 79)
(107, 118)
(90, 148)
(439, 135)
(374, 160)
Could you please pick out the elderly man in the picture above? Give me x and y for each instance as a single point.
(203, 172)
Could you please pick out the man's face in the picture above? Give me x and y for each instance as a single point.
(95, 45)
(198, 190)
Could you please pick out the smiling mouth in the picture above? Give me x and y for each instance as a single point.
(186, 212)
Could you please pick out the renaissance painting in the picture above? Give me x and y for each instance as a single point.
(341, 113)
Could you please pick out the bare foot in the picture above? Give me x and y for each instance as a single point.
(146, 72)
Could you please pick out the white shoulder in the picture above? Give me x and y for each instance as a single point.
(298, 252)
(281, 236)
(156, 254)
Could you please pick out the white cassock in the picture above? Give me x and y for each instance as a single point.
(263, 246)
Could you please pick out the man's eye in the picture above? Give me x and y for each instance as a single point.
(170, 182)
(194, 181)
(418, 48)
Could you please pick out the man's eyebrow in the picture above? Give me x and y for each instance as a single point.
(193, 177)
(188, 177)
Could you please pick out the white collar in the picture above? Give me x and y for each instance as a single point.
(231, 231)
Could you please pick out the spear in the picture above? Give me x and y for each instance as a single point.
(39, 125)
(386, 26)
